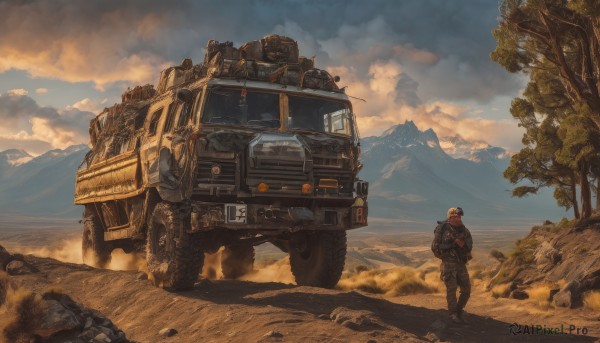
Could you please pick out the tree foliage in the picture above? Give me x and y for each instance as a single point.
(565, 34)
(556, 43)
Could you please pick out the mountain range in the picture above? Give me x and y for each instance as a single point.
(414, 178)
(42, 185)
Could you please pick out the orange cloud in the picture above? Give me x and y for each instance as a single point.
(383, 109)
(18, 91)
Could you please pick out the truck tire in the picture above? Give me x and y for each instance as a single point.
(237, 260)
(317, 258)
(173, 255)
(95, 252)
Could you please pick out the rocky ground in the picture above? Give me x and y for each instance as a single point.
(124, 306)
(564, 258)
(236, 311)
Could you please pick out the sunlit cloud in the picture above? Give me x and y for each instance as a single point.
(89, 105)
(37, 129)
(17, 91)
(41, 90)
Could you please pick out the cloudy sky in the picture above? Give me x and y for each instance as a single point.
(421, 60)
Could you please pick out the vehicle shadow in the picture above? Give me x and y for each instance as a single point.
(421, 322)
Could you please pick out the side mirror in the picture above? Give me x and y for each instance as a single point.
(184, 95)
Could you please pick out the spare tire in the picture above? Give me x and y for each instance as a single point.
(173, 254)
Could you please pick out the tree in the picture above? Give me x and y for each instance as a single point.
(537, 162)
(563, 33)
(556, 42)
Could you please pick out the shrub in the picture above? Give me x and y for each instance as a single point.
(391, 282)
(591, 300)
(24, 312)
(540, 295)
(500, 290)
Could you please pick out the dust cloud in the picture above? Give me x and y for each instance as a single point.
(70, 251)
(65, 251)
(278, 271)
(212, 266)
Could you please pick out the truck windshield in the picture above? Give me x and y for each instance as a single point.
(321, 115)
(241, 107)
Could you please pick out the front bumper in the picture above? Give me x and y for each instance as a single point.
(236, 216)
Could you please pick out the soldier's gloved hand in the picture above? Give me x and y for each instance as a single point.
(459, 242)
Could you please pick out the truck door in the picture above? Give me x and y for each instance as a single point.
(150, 148)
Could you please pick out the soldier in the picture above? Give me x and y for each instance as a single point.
(452, 244)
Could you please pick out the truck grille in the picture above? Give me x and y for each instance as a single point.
(277, 171)
(226, 177)
(344, 177)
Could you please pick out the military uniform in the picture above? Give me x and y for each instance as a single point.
(454, 259)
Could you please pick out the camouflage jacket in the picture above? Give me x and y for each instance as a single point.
(444, 246)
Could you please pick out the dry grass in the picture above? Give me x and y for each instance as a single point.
(500, 290)
(591, 300)
(21, 316)
(539, 295)
(391, 282)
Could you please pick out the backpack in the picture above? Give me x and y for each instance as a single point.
(441, 227)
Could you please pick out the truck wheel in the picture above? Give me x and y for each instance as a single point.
(173, 255)
(237, 260)
(95, 251)
(317, 258)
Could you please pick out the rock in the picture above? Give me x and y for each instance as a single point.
(5, 257)
(432, 337)
(88, 323)
(18, 268)
(101, 337)
(167, 332)
(546, 252)
(569, 296)
(354, 319)
(56, 318)
(519, 294)
(273, 333)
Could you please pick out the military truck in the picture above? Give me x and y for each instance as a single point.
(253, 145)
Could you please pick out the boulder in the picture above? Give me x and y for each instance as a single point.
(18, 268)
(354, 319)
(167, 332)
(273, 333)
(519, 294)
(569, 296)
(56, 318)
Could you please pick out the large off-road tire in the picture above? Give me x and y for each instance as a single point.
(173, 255)
(95, 251)
(317, 258)
(237, 260)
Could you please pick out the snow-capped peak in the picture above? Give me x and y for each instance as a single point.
(15, 157)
